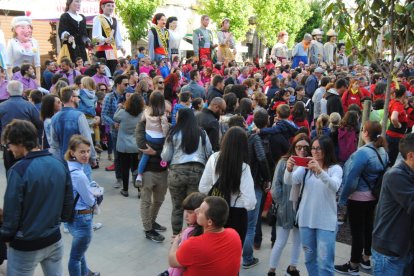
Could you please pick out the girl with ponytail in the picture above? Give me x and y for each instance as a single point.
(361, 172)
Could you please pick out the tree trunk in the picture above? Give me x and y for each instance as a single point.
(386, 104)
(365, 117)
(390, 71)
(134, 48)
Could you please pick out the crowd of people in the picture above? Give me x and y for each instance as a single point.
(229, 141)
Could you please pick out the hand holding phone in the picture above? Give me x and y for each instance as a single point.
(301, 161)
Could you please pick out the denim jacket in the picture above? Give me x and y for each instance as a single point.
(364, 162)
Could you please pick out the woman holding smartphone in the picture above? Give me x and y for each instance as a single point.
(80, 228)
(317, 209)
(286, 212)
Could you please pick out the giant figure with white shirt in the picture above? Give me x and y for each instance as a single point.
(106, 32)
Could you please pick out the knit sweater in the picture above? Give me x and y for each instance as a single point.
(318, 209)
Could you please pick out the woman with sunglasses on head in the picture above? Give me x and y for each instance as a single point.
(317, 208)
(360, 173)
(80, 228)
(286, 212)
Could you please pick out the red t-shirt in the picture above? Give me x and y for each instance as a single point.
(348, 98)
(217, 254)
(402, 117)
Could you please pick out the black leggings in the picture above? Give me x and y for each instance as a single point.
(361, 220)
(128, 162)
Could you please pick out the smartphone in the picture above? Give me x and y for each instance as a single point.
(301, 161)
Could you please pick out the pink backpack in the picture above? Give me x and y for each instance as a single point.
(347, 143)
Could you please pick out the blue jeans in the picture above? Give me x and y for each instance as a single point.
(319, 248)
(145, 157)
(252, 216)
(81, 230)
(389, 265)
(23, 263)
(118, 174)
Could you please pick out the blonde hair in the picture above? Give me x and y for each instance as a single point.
(88, 83)
(321, 122)
(335, 120)
(74, 142)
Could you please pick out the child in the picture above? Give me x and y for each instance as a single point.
(282, 125)
(348, 135)
(322, 126)
(87, 105)
(190, 204)
(185, 102)
(299, 115)
(156, 128)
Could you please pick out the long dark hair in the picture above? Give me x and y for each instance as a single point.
(233, 153)
(190, 203)
(299, 112)
(47, 109)
(170, 20)
(68, 2)
(190, 132)
(328, 149)
(156, 104)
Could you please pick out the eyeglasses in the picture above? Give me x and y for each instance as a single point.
(299, 148)
(103, 89)
(316, 149)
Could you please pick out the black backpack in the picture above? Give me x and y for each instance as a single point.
(376, 185)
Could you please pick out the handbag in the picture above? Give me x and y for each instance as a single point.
(272, 214)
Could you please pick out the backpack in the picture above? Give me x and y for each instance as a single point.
(347, 143)
(376, 185)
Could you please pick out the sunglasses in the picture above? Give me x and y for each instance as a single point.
(160, 82)
(299, 148)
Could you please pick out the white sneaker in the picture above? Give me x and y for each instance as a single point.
(138, 181)
(97, 226)
(118, 183)
(65, 229)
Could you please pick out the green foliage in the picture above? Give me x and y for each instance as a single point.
(380, 25)
(136, 16)
(313, 22)
(236, 10)
(370, 18)
(273, 16)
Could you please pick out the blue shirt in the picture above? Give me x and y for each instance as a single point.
(81, 186)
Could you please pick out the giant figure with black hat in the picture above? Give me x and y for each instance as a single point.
(316, 52)
(106, 31)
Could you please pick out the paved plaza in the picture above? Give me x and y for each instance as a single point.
(120, 247)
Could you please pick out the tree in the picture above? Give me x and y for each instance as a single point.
(136, 16)
(237, 11)
(381, 24)
(273, 16)
(313, 22)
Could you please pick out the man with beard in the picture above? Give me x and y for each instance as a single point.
(208, 119)
(316, 51)
(67, 71)
(28, 77)
(67, 122)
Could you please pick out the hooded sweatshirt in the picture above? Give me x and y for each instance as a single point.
(285, 127)
(87, 102)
